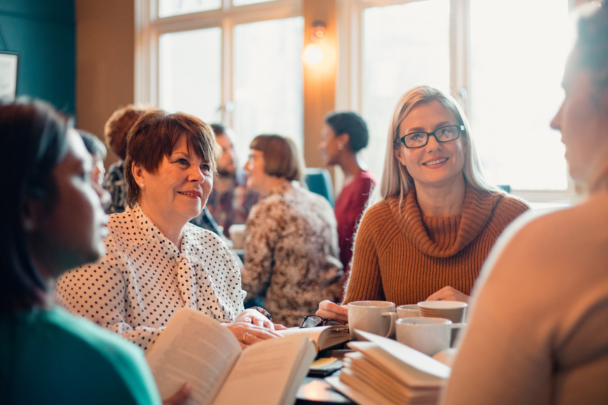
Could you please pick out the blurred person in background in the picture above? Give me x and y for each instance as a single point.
(54, 221)
(342, 137)
(433, 218)
(231, 200)
(156, 262)
(291, 242)
(538, 328)
(98, 152)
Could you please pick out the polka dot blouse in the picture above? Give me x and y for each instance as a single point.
(144, 279)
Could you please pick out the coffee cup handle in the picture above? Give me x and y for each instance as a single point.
(394, 317)
(461, 327)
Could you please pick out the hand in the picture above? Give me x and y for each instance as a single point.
(255, 318)
(329, 310)
(448, 294)
(180, 397)
(248, 334)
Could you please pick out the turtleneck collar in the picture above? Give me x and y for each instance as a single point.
(443, 236)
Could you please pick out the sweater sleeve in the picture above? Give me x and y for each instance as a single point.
(365, 281)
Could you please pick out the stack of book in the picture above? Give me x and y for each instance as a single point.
(383, 371)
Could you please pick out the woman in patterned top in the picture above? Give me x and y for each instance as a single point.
(156, 262)
(291, 242)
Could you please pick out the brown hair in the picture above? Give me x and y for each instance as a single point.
(281, 156)
(154, 136)
(118, 126)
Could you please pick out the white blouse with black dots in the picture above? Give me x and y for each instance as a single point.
(144, 279)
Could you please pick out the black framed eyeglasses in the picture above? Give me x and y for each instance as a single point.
(442, 135)
(312, 321)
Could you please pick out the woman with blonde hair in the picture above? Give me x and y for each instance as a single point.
(433, 218)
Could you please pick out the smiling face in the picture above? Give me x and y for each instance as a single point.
(178, 190)
(582, 120)
(256, 177)
(329, 146)
(436, 164)
(72, 234)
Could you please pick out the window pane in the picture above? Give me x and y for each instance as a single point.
(168, 8)
(190, 72)
(403, 46)
(516, 71)
(268, 80)
(245, 2)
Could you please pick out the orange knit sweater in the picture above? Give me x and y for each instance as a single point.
(404, 257)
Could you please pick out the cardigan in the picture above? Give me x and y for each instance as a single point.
(404, 257)
(144, 279)
(291, 253)
(48, 356)
(538, 329)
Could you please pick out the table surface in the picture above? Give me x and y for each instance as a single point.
(315, 391)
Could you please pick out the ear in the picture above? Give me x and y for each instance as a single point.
(397, 153)
(138, 173)
(344, 139)
(32, 214)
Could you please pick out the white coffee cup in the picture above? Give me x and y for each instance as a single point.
(237, 235)
(427, 335)
(455, 311)
(408, 311)
(377, 317)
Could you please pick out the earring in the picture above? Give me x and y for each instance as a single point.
(142, 185)
(340, 146)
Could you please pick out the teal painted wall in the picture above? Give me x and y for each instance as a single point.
(43, 32)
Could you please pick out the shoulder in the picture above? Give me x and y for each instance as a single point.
(377, 214)
(505, 210)
(203, 238)
(116, 360)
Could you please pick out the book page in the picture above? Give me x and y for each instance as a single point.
(263, 372)
(195, 349)
(323, 336)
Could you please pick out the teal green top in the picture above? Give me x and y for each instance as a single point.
(53, 357)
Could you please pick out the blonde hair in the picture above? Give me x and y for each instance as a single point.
(395, 180)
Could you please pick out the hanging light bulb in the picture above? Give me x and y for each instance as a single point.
(313, 54)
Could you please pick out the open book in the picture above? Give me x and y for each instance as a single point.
(196, 349)
(322, 336)
(383, 371)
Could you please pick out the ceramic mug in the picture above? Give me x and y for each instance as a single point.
(427, 335)
(377, 317)
(237, 235)
(408, 311)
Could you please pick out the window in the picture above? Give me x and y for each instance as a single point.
(247, 72)
(408, 59)
(191, 72)
(268, 80)
(515, 93)
(228, 61)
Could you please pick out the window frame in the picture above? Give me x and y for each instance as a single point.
(349, 81)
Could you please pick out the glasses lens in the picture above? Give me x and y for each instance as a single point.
(311, 321)
(332, 322)
(447, 134)
(415, 140)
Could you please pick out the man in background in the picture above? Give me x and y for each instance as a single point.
(230, 201)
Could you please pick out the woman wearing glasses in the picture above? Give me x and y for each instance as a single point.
(434, 217)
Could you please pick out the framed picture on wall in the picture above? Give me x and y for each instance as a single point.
(9, 64)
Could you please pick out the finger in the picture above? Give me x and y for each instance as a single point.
(278, 326)
(263, 334)
(180, 397)
(258, 322)
(268, 325)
